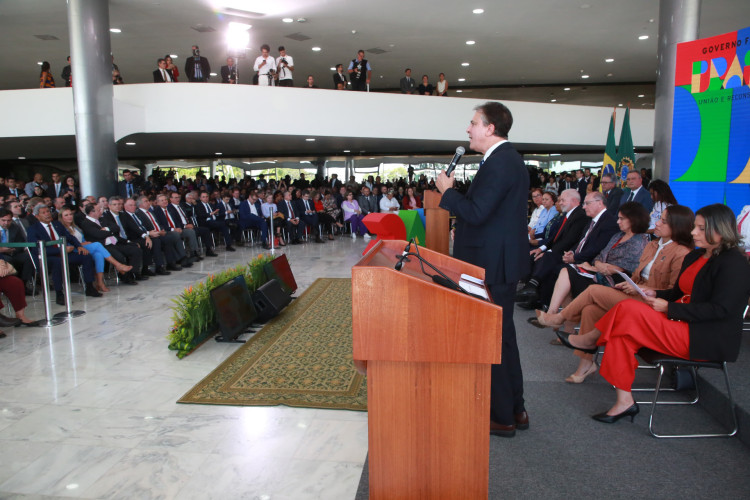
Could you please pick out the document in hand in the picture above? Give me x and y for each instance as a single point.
(631, 283)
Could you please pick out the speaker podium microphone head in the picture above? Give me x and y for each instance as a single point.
(456, 158)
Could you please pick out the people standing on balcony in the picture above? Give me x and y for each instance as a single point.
(360, 72)
(171, 66)
(339, 78)
(162, 74)
(265, 65)
(285, 65)
(66, 75)
(229, 72)
(46, 80)
(197, 68)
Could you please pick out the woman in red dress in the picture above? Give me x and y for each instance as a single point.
(700, 318)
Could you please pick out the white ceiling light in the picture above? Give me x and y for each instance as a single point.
(173, 56)
(287, 20)
(39, 63)
(464, 64)
(584, 76)
(478, 11)
(115, 30)
(553, 100)
(212, 74)
(238, 37)
(459, 91)
(310, 139)
(609, 60)
(21, 157)
(218, 153)
(643, 37)
(130, 144)
(470, 42)
(347, 151)
(462, 79)
(620, 105)
(641, 95)
(566, 89)
(333, 69)
(316, 49)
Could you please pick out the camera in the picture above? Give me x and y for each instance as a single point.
(196, 52)
(283, 60)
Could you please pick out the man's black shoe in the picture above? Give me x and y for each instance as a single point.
(186, 262)
(172, 267)
(91, 291)
(230, 248)
(60, 299)
(128, 279)
(297, 242)
(528, 293)
(211, 253)
(140, 277)
(147, 272)
(530, 306)
(318, 239)
(162, 272)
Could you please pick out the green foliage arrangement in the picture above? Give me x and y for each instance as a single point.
(195, 317)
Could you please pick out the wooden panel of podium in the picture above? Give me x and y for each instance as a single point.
(428, 351)
(437, 230)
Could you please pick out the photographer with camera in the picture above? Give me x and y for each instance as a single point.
(285, 65)
(360, 72)
(229, 72)
(265, 65)
(197, 68)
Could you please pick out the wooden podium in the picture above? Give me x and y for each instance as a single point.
(428, 351)
(437, 230)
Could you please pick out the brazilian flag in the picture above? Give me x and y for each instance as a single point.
(625, 150)
(609, 165)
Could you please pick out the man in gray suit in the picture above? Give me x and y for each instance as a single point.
(368, 202)
(408, 85)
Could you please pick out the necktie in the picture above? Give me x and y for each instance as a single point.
(153, 221)
(52, 234)
(630, 198)
(481, 162)
(129, 190)
(307, 205)
(583, 240)
(565, 220)
(291, 212)
(122, 229)
(208, 211)
(182, 214)
(138, 223)
(169, 219)
(5, 235)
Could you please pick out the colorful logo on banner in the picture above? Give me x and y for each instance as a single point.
(710, 160)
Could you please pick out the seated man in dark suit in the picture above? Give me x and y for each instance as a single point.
(229, 215)
(547, 258)
(113, 220)
(295, 227)
(638, 193)
(601, 227)
(305, 209)
(251, 216)
(188, 209)
(150, 241)
(368, 202)
(18, 257)
(171, 242)
(170, 220)
(48, 230)
(611, 191)
(206, 214)
(119, 247)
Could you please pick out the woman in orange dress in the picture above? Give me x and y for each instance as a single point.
(46, 80)
(699, 318)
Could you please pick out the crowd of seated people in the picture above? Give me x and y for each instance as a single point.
(693, 275)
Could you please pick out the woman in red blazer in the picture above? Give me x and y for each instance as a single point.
(410, 200)
(699, 318)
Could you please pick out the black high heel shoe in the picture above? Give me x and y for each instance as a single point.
(563, 336)
(611, 419)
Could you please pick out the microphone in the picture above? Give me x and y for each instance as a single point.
(404, 256)
(456, 158)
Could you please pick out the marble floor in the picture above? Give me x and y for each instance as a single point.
(87, 408)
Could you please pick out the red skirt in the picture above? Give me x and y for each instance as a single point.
(631, 325)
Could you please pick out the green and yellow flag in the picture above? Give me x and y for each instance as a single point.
(609, 164)
(625, 149)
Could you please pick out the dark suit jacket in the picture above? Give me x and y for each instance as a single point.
(122, 189)
(570, 234)
(613, 198)
(581, 186)
(190, 69)
(226, 74)
(51, 190)
(158, 78)
(281, 207)
(92, 232)
(643, 197)
(38, 232)
(368, 204)
(717, 300)
(408, 87)
(603, 230)
(245, 209)
(339, 78)
(16, 236)
(109, 220)
(132, 229)
(491, 217)
(161, 219)
(202, 215)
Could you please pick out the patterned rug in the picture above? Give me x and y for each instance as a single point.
(303, 357)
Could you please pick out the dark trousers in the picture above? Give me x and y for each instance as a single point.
(359, 85)
(127, 253)
(217, 225)
(255, 221)
(54, 263)
(506, 393)
(295, 231)
(285, 83)
(312, 221)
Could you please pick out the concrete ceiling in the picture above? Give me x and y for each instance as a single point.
(517, 44)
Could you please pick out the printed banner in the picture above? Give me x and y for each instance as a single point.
(710, 160)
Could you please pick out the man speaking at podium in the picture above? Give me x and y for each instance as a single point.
(491, 233)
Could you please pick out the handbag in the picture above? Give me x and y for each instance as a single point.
(7, 269)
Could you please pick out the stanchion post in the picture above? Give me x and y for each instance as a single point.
(69, 312)
(48, 319)
(273, 235)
